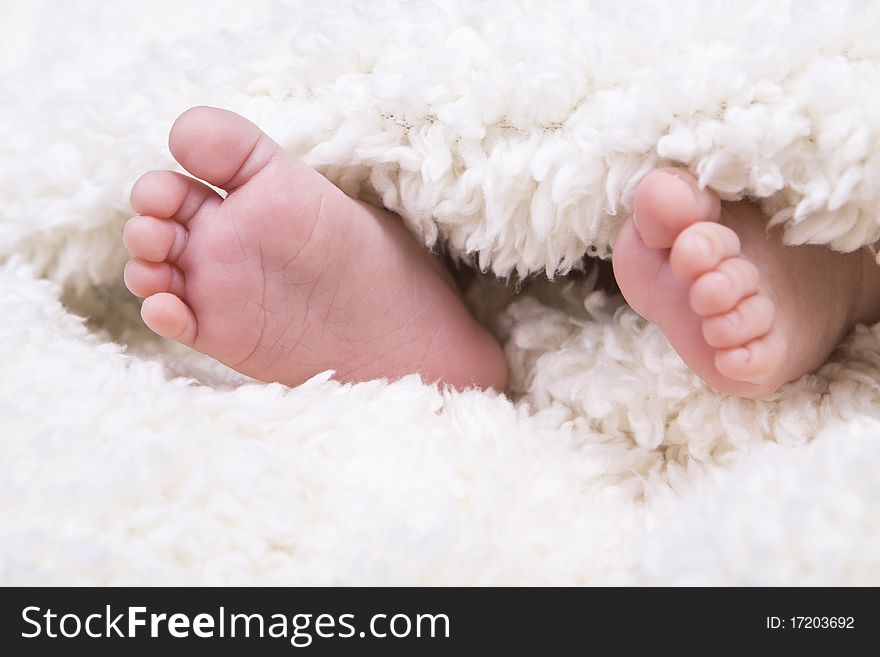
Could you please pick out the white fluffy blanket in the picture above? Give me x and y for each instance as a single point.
(512, 135)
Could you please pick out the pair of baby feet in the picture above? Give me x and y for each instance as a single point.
(284, 276)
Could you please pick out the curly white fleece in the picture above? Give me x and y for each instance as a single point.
(514, 132)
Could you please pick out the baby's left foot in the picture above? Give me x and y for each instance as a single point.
(285, 276)
(744, 311)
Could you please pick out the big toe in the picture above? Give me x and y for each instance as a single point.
(220, 146)
(669, 200)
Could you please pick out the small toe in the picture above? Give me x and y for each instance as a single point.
(144, 278)
(172, 195)
(702, 247)
(154, 239)
(759, 361)
(669, 200)
(721, 289)
(750, 319)
(168, 316)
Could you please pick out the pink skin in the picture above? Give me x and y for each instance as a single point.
(744, 311)
(286, 276)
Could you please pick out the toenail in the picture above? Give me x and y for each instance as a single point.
(681, 182)
(130, 223)
(743, 354)
(702, 245)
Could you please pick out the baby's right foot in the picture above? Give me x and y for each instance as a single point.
(744, 311)
(286, 276)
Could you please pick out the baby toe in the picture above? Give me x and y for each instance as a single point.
(759, 361)
(154, 239)
(144, 278)
(220, 146)
(667, 201)
(750, 319)
(168, 194)
(702, 247)
(168, 316)
(721, 289)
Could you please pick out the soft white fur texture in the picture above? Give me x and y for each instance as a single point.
(510, 134)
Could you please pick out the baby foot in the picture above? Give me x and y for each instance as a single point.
(744, 311)
(286, 276)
